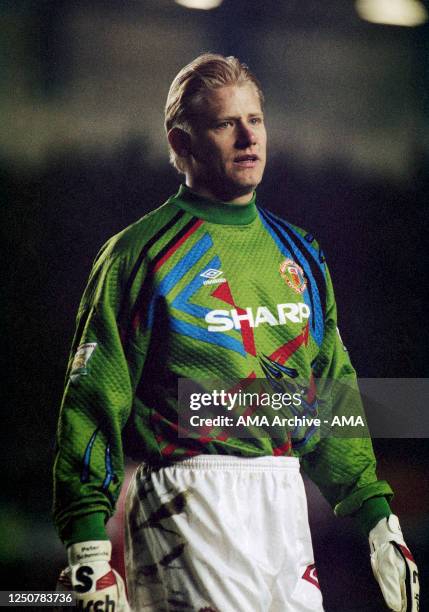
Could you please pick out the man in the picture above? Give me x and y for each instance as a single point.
(210, 286)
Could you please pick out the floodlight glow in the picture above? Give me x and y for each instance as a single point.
(392, 12)
(200, 4)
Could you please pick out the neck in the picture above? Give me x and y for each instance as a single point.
(215, 211)
(220, 195)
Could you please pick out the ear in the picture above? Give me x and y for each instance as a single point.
(180, 142)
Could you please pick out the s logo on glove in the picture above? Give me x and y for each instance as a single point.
(97, 587)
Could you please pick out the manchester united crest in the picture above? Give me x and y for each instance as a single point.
(293, 275)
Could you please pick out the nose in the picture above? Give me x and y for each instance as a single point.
(245, 135)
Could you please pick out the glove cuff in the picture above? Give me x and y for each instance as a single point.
(88, 552)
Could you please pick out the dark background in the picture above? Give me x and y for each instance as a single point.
(83, 154)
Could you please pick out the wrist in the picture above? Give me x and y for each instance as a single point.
(88, 527)
(371, 512)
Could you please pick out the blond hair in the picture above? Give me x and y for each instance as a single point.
(206, 72)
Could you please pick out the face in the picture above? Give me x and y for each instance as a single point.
(228, 146)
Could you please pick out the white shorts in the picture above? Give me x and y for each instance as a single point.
(220, 534)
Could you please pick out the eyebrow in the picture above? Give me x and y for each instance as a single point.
(233, 117)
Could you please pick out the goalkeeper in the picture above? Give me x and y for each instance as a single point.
(209, 285)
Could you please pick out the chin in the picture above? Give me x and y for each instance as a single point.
(249, 181)
(229, 187)
(247, 186)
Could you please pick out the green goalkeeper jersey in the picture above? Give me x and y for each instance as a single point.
(199, 290)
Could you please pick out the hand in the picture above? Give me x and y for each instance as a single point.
(394, 567)
(95, 584)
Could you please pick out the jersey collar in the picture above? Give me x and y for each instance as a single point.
(215, 211)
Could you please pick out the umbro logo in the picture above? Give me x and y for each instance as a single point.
(211, 273)
(213, 276)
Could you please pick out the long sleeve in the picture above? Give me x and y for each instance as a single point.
(344, 468)
(97, 402)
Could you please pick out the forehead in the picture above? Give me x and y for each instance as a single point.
(231, 101)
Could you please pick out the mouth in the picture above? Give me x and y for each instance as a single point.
(246, 161)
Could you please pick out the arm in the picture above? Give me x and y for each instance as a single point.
(100, 383)
(344, 468)
(89, 465)
(345, 471)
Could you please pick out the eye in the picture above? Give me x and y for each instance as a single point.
(223, 125)
(256, 120)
